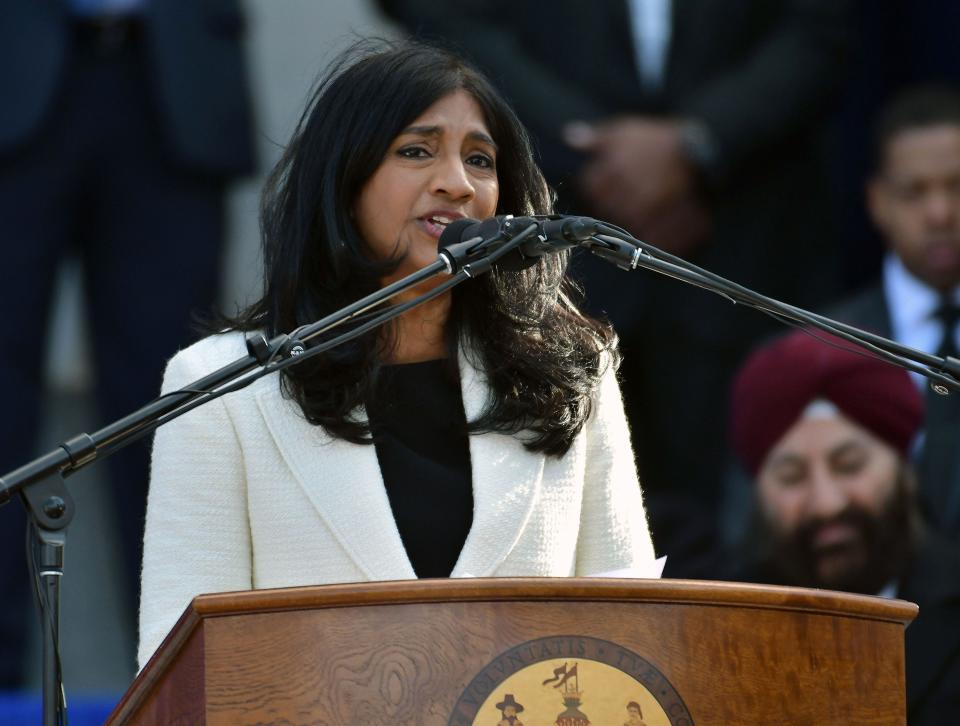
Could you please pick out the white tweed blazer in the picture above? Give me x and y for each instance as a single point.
(245, 493)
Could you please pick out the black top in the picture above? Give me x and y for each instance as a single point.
(419, 430)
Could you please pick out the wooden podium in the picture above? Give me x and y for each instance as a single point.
(567, 651)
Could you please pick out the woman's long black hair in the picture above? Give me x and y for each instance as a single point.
(541, 357)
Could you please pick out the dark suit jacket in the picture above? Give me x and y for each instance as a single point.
(866, 309)
(933, 639)
(196, 57)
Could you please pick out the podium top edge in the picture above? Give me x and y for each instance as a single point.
(666, 591)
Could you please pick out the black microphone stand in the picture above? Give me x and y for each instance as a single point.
(40, 482)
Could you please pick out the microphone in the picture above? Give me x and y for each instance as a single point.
(468, 240)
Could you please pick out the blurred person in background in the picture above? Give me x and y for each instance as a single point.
(913, 198)
(122, 122)
(697, 125)
(900, 44)
(826, 430)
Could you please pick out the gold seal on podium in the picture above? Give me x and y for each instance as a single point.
(570, 680)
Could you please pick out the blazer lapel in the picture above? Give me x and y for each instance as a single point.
(867, 310)
(506, 485)
(343, 482)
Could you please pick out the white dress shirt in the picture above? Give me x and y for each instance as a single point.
(651, 23)
(912, 305)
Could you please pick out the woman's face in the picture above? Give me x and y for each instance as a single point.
(440, 168)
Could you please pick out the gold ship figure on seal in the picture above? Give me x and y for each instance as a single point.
(569, 681)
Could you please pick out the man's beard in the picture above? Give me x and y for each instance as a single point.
(886, 543)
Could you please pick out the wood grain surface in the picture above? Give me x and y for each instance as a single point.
(403, 653)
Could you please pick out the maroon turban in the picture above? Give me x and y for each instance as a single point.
(780, 380)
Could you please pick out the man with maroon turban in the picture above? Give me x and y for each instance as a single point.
(826, 431)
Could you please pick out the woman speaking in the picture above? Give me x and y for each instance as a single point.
(480, 434)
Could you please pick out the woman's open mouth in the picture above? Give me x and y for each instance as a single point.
(436, 223)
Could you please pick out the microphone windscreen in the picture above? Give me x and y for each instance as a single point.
(454, 231)
(465, 229)
(520, 258)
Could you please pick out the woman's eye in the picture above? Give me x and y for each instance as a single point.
(413, 152)
(481, 161)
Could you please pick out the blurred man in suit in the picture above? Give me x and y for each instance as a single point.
(914, 200)
(826, 432)
(122, 122)
(696, 125)
(901, 44)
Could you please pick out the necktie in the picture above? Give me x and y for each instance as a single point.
(948, 314)
(939, 475)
